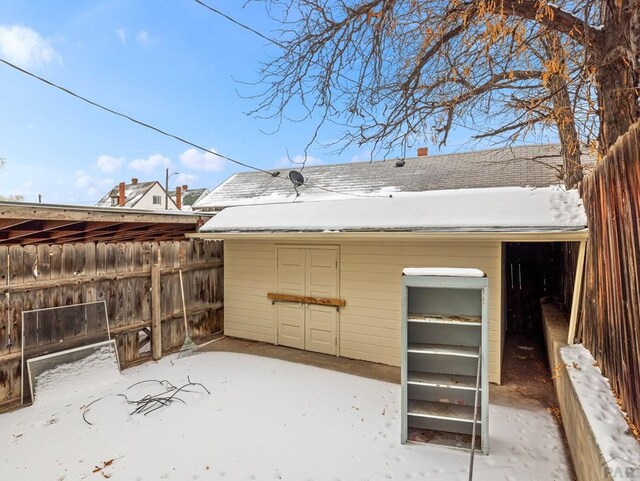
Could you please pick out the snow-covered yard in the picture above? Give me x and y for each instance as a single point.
(265, 419)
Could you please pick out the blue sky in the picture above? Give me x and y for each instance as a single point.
(170, 63)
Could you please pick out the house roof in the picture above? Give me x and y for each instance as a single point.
(501, 209)
(190, 196)
(132, 194)
(534, 166)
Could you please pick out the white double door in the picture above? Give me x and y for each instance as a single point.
(309, 272)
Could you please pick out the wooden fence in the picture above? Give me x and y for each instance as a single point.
(610, 318)
(35, 277)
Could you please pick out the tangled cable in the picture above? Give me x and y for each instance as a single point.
(152, 402)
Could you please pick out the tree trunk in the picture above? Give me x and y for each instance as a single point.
(617, 71)
(563, 113)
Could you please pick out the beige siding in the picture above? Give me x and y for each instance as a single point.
(249, 273)
(369, 325)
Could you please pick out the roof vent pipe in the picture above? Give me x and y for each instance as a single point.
(134, 181)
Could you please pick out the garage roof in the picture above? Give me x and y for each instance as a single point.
(509, 209)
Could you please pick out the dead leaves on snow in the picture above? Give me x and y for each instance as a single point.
(104, 464)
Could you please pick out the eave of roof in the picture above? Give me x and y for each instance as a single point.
(497, 210)
(503, 235)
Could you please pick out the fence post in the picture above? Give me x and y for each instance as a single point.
(577, 293)
(156, 322)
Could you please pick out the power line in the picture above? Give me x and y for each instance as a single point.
(131, 119)
(261, 35)
(368, 196)
(240, 24)
(165, 133)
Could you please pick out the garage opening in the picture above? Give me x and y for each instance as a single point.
(532, 271)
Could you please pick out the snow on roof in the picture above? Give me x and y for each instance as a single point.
(501, 209)
(442, 272)
(525, 166)
(132, 194)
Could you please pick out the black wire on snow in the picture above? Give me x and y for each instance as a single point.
(152, 402)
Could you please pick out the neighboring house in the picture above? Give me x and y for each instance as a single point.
(188, 196)
(535, 166)
(139, 195)
(482, 210)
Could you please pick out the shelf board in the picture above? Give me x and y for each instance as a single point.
(443, 349)
(443, 319)
(436, 410)
(436, 379)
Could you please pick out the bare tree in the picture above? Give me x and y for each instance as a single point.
(393, 72)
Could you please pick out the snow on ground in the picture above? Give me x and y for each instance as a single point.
(265, 419)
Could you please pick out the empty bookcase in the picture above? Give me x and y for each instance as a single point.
(444, 346)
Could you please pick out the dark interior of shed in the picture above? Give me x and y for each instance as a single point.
(532, 271)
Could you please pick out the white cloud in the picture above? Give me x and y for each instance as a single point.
(24, 46)
(186, 179)
(151, 163)
(143, 38)
(198, 160)
(122, 35)
(92, 186)
(297, 161)
(109, 164)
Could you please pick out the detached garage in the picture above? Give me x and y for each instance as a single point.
(325, 276)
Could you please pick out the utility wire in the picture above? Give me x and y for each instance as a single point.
(368, 196)
(165, 133)
(268, 39)
(135, 121)
(239, 24)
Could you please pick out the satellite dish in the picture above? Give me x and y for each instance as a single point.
(296, 177)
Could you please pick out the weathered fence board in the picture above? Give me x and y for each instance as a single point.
(35, 277)
(610, 317)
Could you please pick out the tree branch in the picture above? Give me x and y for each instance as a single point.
(554, 18)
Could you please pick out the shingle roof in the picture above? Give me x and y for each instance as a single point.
(534, 166)
(132, 194)
(190, 196)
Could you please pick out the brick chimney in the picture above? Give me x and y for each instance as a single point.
(185, 188)
(423, 151)
(179, 197)
(134, 181)
(121, 194)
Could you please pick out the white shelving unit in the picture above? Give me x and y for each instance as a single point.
(444, 336)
